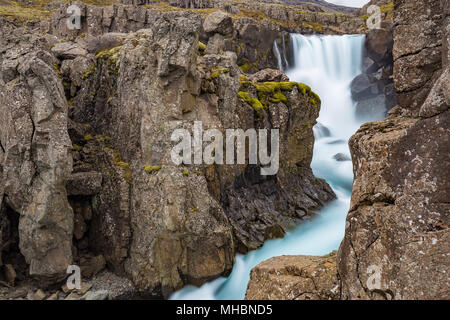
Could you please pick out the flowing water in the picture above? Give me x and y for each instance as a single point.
(327, 64)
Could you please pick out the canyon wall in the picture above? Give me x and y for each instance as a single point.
(396, 243)
(87, 118)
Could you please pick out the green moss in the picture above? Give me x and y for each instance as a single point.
(77, 147)
(216, 72)
(56, 66)
(112, 56)
(387, 7)
(88, 72)
(201, 47)
(185, 172)
(88, 137)
(279, 97)
(151, 169)
(193, 210)
(273, 92)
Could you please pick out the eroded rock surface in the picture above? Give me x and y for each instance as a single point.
(36, 159)
(295, 278)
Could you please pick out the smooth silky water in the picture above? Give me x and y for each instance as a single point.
(327, 64)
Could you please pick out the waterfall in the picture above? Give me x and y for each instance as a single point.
(276, 51)
(327, 64)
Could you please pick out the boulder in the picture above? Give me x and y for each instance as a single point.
(218, 22)
(68, 50)
(365, 86)
(295, 278)
(84, 183)
(379, 44)
(341, 157)
(371, 109)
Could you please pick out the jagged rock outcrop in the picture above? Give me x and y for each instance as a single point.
(295, 278)
(36, 158)
(103, 168)
(397, 231)
(397, 238)
(179, 88)
(420, 28)
(373, 90)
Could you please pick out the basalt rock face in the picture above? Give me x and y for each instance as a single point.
(86, 150)
(417, 49)
(35, 151)
(397, 238)
(373, 90)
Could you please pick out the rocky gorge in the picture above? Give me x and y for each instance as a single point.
(86, 177)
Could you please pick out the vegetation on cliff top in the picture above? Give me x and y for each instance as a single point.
(273, 92)
(38, 9)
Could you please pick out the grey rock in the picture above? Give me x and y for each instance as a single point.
(341, 157)
(67, 50)
(218, 22)
(268, 75)
(84, 183)
(37, 161)
(96, 295)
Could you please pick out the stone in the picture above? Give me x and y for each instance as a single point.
(341, 157)
(73, 296)
(96, 295)
(66, 50)
(364, 86)
(84, 184)
(295, 278)
(10, 274)
(371, 109)
(218, 22)
(379, 44)
(92, 266)
(268, 75)
(37, 157)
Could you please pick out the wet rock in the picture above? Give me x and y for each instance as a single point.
(398, 226)
(109, 40)
(379, 45)
(364, 86)
(372, 108)
(321, 131)
(341, 157)
(295, 278)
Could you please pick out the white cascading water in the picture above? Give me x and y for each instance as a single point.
(327, 64)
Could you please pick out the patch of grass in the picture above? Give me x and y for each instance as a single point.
(151, 169)
(216, 72)
(88, 72)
